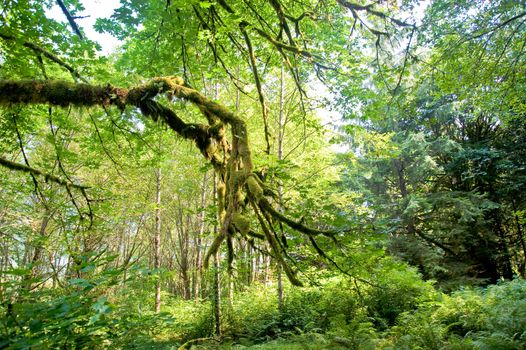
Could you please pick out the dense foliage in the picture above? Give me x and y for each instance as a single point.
(316, 174)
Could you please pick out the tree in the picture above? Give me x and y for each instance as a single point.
(209, 35)
(437, 174)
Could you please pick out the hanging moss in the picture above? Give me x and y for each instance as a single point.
(241, 223)
(254, 187)
(232, 162)
(241, 196)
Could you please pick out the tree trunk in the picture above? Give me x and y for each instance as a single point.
(281, 133)
(216, 287)
(198, 273)
(157, 241)
(217, 297)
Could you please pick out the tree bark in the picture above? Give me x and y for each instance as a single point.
(157, 241)
(198, 273)
(216, 300)
(281, 133)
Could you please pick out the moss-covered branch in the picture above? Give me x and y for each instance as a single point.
(295, 225)
(234, 168)
(63, 93)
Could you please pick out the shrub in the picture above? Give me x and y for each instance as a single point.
(491, 318)
(397, 289)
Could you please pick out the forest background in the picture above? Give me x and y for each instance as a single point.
(268, 174)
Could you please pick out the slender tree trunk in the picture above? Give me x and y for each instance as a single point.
(280, 287)
(281, 133)
(230, 286)
(157, 241)
(217, 297)
(230, 289)
(522, 266)
(217, 287)
(183, 245)
(198, 241)
(39, 247)
(266, 267)
(250, 265)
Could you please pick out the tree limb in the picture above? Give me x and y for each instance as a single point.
(41, 51)
(48, 177)
(70, 18)
(370, 9)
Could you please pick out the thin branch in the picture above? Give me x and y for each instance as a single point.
(70, 18)
(498, 26)
(295, 225)
(106, 151)
(21, 144)
(353, 7)
(274, 245)
(52, 57)
(406, 57)
(48, 177)
(257, 80)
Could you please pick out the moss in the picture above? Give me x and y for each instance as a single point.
(241, 196)
(221, 189)
(55, 92)
(216, 244)
(254, 187)
(241, 223)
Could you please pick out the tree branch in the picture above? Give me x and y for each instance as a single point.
(370, 9)
(70, 18)
(48, 177)
(41, 51)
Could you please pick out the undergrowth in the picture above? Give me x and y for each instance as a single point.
(397, 311)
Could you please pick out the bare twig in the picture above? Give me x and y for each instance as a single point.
(70, 18)
(41, 51)
(48, 177)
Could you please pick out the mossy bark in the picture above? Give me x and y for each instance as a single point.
(232, 160)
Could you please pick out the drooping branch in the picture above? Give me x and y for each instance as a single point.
(295, 225)
(235, 168)
(48, 177)
(41, 51)
(257, 80)
(274, 245)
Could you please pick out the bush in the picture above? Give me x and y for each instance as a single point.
(193, 319)
(253, 314)
(57, 319)
(397, 289)
(491, 318)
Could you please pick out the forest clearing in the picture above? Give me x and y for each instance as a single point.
(249, 174)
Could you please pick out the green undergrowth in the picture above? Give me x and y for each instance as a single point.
(396, 311)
